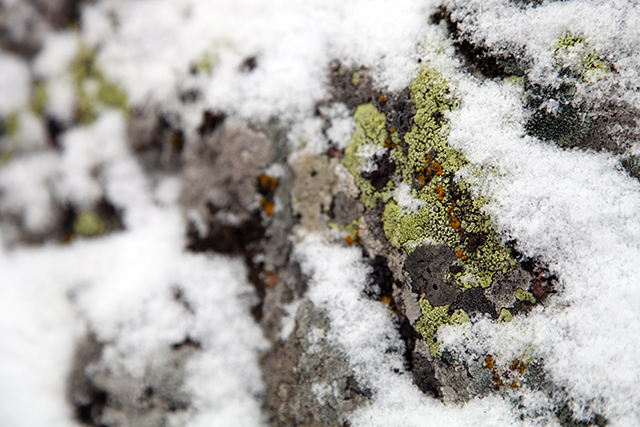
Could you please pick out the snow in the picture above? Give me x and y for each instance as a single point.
(58, 52)
(121, 288)
(15, 83)
(155, 43)
(575, 210)
(366, 331)
(578, 212)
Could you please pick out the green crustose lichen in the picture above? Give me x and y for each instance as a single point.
(11, 125)
(434, 317)
(39, 98)
(522, 295)
(572, 51)
(424, 161)
(450, 215)
(88, 224)
(93, 90)
(569, 122)
(370, 134)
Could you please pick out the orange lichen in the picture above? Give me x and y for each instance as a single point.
(455, 223)
(518, 366)
(502, 376)
(437, 168)
(459, 253)
(268, 183)
(383, 98)
(488, 361)
(267, 205)
(388, 143)
(440, 192)
(349, 240)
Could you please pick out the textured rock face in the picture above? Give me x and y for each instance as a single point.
(395, 188)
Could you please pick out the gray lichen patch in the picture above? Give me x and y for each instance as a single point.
(221, 172)
(309, 380)
(312, 190)
(502, 292)
(428, 267)
(106, 394)
(156, 138)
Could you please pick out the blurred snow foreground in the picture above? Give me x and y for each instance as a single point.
(284, 213)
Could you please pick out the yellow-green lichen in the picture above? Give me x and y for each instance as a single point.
(355, 78)
(93, 90)
(39, 98)
(88, 224)
(370, 135)
(434, 317)
(505, 316)
(11, 125)
(206, 63)
(427, 165)
(522, 295)
(450, 215)
(573, 52)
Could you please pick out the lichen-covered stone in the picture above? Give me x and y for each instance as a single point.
(367, 141)
(93, 90)
(434, 317)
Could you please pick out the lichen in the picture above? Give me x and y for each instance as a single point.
(573, 54)
(88, 224)
(450, 215)
(632, 165)
(434, 317)
(370, 134)
(425, 164)
(355, 78)
(525, 296)
(505, 316)
(93, 90)
(206, 63)
(557, 116)
(39, 98)
(11, 125)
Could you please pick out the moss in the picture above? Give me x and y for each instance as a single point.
(93, 90)
(39, 98)
(370, 133)
(88, 224)
(434, 317)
